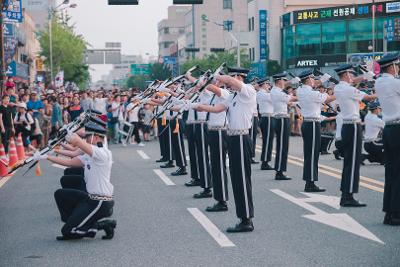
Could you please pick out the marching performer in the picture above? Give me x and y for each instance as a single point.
(240, 108)
(348, 98)
(280, 101)
(388, 90)
(373, 144)
(81, 211)
(266, 110)
(310, 101)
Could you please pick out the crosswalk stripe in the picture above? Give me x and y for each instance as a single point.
(142, 154)
(163, 177)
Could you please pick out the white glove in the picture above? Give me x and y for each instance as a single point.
(194, 105)
(295, 80)
(325, 77)
(164, 89)
(69, 136)
(37, 156)
(369, 75)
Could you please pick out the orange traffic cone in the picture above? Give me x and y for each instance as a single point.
(13, 154)
(3, 162)
(20, 148)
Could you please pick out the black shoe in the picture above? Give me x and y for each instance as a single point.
(351, 202)
(281, 177)
(180, 171)
(313, 188)
(325, 153)
(63, 238)
(244, 226)
(394, 220)
(108, 226)
(388, 218)
(193, 182)
(206, 193)
(219, 206)
(167, 165)
(336, 153)
(161, 160)
(266, 167)
(254, 162)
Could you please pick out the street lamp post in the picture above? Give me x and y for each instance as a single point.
(234, 38)
(52, 11)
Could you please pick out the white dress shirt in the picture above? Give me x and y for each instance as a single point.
(339, 124)
(310, 101)
(388, 90)
(218, 119)
(373, 126)
(264, 102)
(280, 101)
(348, 98)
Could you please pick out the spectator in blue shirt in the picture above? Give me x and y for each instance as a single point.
(35, 104)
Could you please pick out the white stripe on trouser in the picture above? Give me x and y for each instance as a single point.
(244, 178)
(221, 165)
(281, 148)
(180, 148)
(87, 218)
(312, 151)
(204, 156)
(170, 141)
(267, 139)
(353, 162)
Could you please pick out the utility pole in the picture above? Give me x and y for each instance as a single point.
(3, 68)
(373, 30)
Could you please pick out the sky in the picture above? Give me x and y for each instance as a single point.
(134, 26)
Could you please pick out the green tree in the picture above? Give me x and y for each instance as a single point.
(214, 60)
(137, 81)
(159, 71)
(68, 52)
(273, 67)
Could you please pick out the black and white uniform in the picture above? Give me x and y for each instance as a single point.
(168, 138)
(280, 101)
(178, 146)
(373, 144)
(201, 142)
(254, 130)
(348, 98)
(190, 134)
(310, 102)
(217, 142)
(161, 134)
(266, 110)
(81, 210)
(240, 107)
(388, 90)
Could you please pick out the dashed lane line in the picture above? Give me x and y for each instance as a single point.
(163, 177)
(211, 229)
(142, 154)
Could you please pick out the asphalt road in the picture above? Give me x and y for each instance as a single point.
(160, 224)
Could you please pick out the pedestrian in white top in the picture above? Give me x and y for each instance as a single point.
(373, 144)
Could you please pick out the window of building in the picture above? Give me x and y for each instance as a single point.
(252, 23)
(334, 38)
(254, 54)
(288, 37)
(166, 30)
(249, 22)
(227, 4)
(308, 39)
(250, 53)
(360, 36)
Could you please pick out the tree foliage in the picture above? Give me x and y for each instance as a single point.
(138, 81)
(159, 71)
(68, 52)
(214, 60)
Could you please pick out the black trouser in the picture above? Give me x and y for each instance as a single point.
(391, 142)
(169, 151)
(201, 134)
(339, 147)
(80, 213)
(239, 149)
(194, 167)
(73, 182)
(253, 134)
(162, 138)
(267, 131)
(352, 142)
(218, 149)
(311, 133)
(74, 171)
(178, 145)
(375, 152)
(5, 138)
(282, 130)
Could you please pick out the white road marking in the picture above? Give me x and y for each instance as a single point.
(58, 166)
(4, 180)
(142, 154)
(340, 221)
(163, 177)
(213, 230)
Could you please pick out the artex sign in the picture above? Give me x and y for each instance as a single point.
(307, 63)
